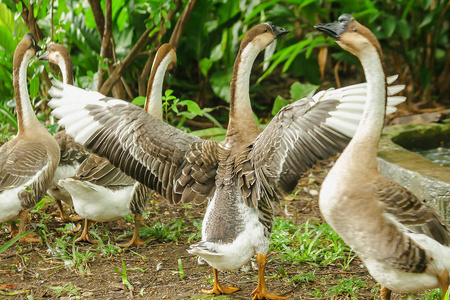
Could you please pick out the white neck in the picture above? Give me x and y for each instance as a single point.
(364, 145)
(63, 68)
(26, 117)
(155, 100)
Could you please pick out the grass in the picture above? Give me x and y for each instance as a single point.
(313, 242)
(347, 286)
(124, 276)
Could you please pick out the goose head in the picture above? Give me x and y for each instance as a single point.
(169, 51)
(59, 55)
(55, 53)
(350, 35)
(262, 35)
(26, 49)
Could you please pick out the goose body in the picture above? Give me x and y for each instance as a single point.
(102, 192)
(403, 242)
(241, 177)
(28, 162)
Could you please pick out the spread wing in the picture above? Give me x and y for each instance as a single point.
(143, 147)
(302, 133)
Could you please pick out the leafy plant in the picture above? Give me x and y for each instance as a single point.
(348, 286)
(124, 276)
(312, 242)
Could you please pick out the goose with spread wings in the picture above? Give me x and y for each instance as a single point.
(241, 177)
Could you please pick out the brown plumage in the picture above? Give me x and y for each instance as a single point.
(28, 162)
(402, 241)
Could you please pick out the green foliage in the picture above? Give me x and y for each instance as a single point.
(124, 276)
(165, 232)
(312, 242)
(413, 34)
(12, 241)
(347, 286)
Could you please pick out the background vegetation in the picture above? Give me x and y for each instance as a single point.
(112, 45)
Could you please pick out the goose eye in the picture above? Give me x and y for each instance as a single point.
(354, 29)
(265, 30)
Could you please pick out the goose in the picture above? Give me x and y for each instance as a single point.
(403, 242)
(102, 192)
(27, 162)
(241, 177)
(72, 154)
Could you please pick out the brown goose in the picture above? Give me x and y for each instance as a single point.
(403, 242)
(72, 154)
(241, 177)
(102, 192)
(27, 162)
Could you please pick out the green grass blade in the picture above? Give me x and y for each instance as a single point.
(13, 240)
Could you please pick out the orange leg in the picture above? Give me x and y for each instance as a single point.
(385, 293)
(218, 289)
(63, 216)
(260, 292)
(14, 230)
(444, 282)
(32, 237)
(135, 241)
(84, 237)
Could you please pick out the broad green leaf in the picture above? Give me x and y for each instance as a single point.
(427, 20)
(278, 104)
(403, 28)
(140, 100)
(205, 65)
(192, 106)
(389, 24)
(301, 90)
(6, 39)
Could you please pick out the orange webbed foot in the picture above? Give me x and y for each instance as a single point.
(221, 290)
(264, 295)
(30, 238)
(132, 243)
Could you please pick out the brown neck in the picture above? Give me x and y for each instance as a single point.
(25, 113)
(242, 127)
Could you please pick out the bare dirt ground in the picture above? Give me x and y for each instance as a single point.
(29, 271)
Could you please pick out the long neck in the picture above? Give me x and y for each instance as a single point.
(364, 145)
(153, 102)
(66, 67)
(25, 113)
(242, 126)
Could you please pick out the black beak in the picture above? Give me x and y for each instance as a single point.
(334, 30)
(37, 48)
(44, 56)
(277, 30)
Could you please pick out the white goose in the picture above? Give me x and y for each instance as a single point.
(27, 162)
(72, 154)
(241, 177)
(403, 242)
(102, 192)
